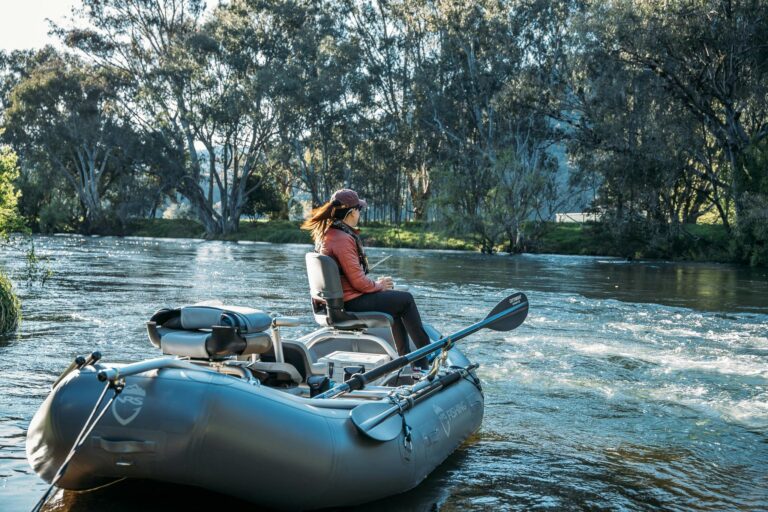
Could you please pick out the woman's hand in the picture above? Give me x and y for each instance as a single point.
(386, 282)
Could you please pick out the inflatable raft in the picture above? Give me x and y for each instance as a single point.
(333, 418)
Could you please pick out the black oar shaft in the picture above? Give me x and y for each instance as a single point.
(359, 380)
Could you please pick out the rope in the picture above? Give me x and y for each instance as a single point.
(80, 440)
(439, 361)
(400, 401)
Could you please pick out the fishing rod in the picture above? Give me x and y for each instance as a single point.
(382, 260)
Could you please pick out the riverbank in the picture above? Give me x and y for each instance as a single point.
(411, 235)
(696, 243)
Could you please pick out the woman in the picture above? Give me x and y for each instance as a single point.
(333, 229)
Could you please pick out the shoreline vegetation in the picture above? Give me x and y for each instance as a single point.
(699, 243)
(469, 119)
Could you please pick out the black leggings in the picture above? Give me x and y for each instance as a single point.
(404, 312)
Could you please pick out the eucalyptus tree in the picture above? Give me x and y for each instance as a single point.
(712, 57)
(62, 115)
(39, 186)
(396, 39)
(190, 87)
(237, 89)
(146, 44)
(218, 90)
(641, 145)
(323, 91)
(10, 222)
(500, 170)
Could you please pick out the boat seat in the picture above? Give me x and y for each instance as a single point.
(296, 354)
(203, 331)
(277, 373)
(328, 298)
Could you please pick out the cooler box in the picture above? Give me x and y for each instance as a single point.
(341, 360)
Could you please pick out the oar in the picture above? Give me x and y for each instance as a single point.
(378, 420)
(505, 316)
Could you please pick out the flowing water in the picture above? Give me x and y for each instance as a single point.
(631, 386)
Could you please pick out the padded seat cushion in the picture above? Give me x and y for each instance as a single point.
(364, 319)
(247, 320)
(282, 372)
(206, 345)
(205, 331)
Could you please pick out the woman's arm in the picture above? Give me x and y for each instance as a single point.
(350, 266)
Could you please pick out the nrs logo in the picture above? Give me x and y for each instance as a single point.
(128, 405)
(447, 416)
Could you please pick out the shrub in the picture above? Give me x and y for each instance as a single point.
(10, 307)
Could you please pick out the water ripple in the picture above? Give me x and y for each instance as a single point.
(631, 386)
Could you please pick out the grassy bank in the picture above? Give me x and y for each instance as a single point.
(698, 243)
(705, 242)
(410, 235)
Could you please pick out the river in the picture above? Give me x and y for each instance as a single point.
(631, 385)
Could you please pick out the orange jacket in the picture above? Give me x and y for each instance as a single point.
(342, 247)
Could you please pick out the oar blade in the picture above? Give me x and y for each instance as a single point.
(387, 429)
(517, 307)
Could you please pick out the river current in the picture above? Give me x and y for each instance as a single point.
(631, 385)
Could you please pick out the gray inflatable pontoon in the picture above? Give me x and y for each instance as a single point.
(233, 408)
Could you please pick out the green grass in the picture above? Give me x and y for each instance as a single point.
(712, 233)
(412, 235)
(276, 232)
(697, 242)
(706, 242)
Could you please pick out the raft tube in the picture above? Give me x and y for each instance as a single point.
(234, 436)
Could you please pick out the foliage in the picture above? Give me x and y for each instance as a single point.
(753, 224)
(10, 220)
(265, 199)
(665, 106)
(61, 116)
(480, 117)
(10, 308)
(412, 234)
(37, 270)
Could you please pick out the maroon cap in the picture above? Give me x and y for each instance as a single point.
(348, 198)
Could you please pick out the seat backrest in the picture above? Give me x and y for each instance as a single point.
(324, 279)
(324, 286)
(326, 291)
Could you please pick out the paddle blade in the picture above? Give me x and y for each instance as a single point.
(511, 313)
(377, 420)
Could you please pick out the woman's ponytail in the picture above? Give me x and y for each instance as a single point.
(320, 220)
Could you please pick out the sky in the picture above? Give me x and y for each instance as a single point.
(23, 25)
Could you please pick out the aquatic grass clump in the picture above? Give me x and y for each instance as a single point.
(10, 307)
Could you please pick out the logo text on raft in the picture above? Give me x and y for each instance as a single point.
(449, 415)
(515, 300)
(128, 405)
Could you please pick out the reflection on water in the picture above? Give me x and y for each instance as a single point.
(635, 386)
